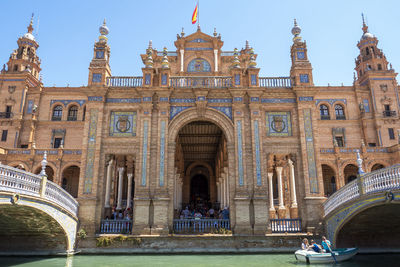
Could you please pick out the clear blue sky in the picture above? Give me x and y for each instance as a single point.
(67, 31)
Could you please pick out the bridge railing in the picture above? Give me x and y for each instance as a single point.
(376, 181)
(200, 225)
(22, 182)
(285, 225)
(115, 226)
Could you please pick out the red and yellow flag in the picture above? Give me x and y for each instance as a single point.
(194, 16)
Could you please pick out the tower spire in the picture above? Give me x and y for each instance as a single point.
(365, 27)
(30, 27)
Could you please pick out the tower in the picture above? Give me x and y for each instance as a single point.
(24, 59)
(382, 106)
(99, 68)
(301, 70)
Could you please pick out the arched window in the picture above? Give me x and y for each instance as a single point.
(199, 65)
(339, 111)
(324, 111)
(72, 113)
(379, 67)
(57, 113)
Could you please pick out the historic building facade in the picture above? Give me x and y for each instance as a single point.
(200, 123)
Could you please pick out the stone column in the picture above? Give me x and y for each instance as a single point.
(222, 192)
(182, 57)
(271, 196)
(227, 187)
(218, 192)
(293, 208)
(281, 208)
(129, 194)
(108, 184)
(120, 185)
(216, 60)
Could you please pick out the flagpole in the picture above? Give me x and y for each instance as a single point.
(198, 13)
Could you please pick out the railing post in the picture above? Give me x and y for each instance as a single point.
(43, 186)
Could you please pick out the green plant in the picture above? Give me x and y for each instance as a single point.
(82, 233)
(104, 241)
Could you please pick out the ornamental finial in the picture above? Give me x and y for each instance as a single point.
(236, 61)
(215, 32)
(103, 32)
(359, 163)
(44, 164)
(365, 27)
(30, 27)
(296, 30)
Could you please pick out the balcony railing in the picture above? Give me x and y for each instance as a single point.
(200, 82)
(285, 225)
(56, 118)
(184, 226)
(340, 117)
(71, 118)
(6, 115)
(389, 113)
(275, 82)
(325, 117)
(116, 81)
(115, 226)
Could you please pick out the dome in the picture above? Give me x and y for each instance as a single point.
(367, 35)
(29, 36)
(104, 29)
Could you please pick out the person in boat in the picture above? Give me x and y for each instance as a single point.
(326, 244)
(305, 245)
(314, 246)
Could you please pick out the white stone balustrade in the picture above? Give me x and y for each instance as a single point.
(373, 182)
(18, 181)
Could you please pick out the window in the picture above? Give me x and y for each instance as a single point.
(16, 68)
(57, 113)
(324, 111)
(72, 113)
(57, 142)
(379, 67)
(339, 111)
(391, 133)
(339, 141)
(372, 144)
(367, 51)
(4, 135)
(24, 146)
(8, 112)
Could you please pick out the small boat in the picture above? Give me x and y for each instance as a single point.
(337, 255)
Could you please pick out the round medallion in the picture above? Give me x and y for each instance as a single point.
(123, 124)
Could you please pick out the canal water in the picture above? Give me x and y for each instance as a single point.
(201, 260)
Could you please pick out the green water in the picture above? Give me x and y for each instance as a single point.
(231, 260)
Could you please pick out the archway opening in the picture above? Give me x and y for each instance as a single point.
(375, 227)
(350, 173)
(70, 180)
(199, 190)
(201, 167)
(328, 175)
(49, 172)
(377, 167)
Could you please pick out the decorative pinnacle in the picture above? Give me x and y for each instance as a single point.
(44, 163)
(247, 45)
(150, 44)
(296, 30)
(359, 163)
(365, 27)
(215, 32)
(30, 27)
(182, 32)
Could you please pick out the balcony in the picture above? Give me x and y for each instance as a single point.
(200, 82)
(117, 81)
(6, 115)
(285, 225)
(71, 118)
(275, 82)
(340, 117)
(325, 117)
(389, 113)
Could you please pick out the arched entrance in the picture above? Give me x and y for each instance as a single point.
(70, 180)
(377, 167)
(49, 172)
(200, 153)
(328, 175)
(350, 173)
(199, 189)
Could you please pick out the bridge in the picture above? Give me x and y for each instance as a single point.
(365, 212)
(35, 214)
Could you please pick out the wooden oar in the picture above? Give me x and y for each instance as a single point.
(333, 254)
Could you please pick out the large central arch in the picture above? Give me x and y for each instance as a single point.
(226, 126)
